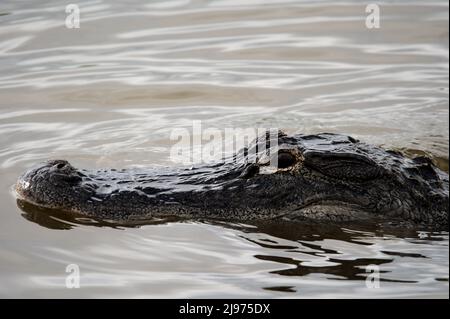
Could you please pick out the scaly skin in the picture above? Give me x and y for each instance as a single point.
(325, 177)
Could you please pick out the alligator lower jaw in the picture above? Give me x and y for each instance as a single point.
(332, 211)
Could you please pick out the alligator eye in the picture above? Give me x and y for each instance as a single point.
(60, 165)
(285, 160)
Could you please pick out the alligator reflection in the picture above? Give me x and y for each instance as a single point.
(307, 235)
(294, 245)
(57, 219)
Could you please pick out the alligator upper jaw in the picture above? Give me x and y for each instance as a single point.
(29, 183)
(20, 190)
(22, 187)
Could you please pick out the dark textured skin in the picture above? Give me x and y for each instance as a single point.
(323, 177)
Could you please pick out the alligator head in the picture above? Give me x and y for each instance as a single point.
(325, 177)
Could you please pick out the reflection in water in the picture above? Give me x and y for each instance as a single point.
(109, 94)
(57, 219)
(301, 248)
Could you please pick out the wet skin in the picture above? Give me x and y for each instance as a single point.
(322, 177)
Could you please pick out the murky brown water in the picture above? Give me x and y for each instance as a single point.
(109, 94)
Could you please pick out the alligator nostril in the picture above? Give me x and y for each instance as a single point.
(60, 165)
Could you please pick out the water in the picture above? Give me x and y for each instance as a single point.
(110, 93)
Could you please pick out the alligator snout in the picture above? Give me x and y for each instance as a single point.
(59, 164)
(44, 184)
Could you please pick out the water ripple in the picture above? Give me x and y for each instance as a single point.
(109, 94)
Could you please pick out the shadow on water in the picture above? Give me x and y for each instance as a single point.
(293, 245)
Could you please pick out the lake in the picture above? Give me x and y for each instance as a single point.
(109, 94)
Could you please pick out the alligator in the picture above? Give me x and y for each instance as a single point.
(325, 177)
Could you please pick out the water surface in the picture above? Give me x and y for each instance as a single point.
(110, 93)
